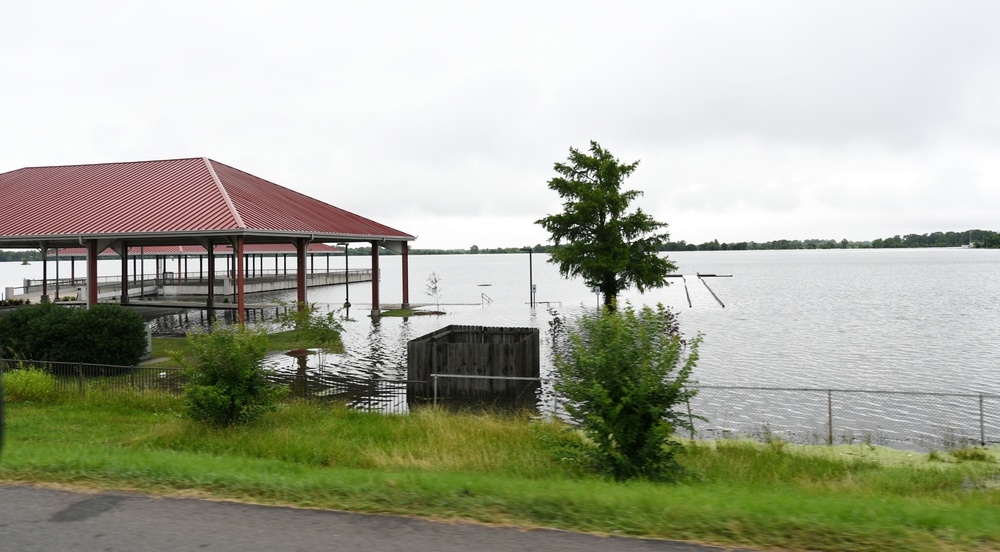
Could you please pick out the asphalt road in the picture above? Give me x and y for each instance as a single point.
(34, 518)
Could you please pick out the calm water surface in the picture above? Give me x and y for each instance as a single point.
(915, 319)
(886, 319)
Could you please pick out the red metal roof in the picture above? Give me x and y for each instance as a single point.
(197, 250)
(156, 199)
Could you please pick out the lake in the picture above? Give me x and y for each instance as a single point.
(891, 319)
(902, 319)
(888, 319)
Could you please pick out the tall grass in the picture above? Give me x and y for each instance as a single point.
(35, 385)
(501, 470)
(30, 385)
(312, 434)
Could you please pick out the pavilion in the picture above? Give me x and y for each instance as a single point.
(178, 202)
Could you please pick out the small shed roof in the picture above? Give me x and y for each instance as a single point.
(176, 201)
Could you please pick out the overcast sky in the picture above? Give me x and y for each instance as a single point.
(753, 120)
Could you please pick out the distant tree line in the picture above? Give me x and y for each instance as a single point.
(977, 238)
(20, 256)
(474, 250)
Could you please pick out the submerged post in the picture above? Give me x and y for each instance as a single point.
(376, 310)
(531, 277)
(406, 274)
(347, 275)
(829, 414)
(301, 250)
(982, 425)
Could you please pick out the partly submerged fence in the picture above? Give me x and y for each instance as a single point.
(370, 394)
(82, 377)
(909, 420)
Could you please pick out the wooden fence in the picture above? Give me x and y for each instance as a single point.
(474, 351)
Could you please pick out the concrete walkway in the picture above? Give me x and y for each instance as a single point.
(37, 519)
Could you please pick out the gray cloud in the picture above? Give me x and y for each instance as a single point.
(761, 120)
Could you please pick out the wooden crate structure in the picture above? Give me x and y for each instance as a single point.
(474, 351)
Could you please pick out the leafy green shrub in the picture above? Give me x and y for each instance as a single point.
(103, 334)
(624, 374)
(228, 383)
(114, 334)
(41, 332)
(309, 327)
(29, 384)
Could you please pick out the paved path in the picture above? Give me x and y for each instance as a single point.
(34, 518)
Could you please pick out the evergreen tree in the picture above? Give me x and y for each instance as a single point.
(595, 237)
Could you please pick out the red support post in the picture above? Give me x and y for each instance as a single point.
(45, 274)
(406, 275)
(211, 275)
(375, 306)
(124, 256)
(91, 273)
(300, 272)
(240, 300)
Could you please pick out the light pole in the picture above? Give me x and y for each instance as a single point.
(347, 276)
(531, 276)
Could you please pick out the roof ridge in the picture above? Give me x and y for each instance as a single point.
(111, 163)
(225, 195)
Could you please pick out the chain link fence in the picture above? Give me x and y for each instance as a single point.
(369, 394)
(908, 420)
(82, 377)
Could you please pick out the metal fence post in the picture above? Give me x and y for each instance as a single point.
(687, 400)
(435, 389)
(829, 415)
(79, 372)
(982, 423)
(131, 376)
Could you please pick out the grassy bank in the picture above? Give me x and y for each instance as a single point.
(497, 470)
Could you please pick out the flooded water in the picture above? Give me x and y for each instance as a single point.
(917, 319)
(899, 320)
(885, 319)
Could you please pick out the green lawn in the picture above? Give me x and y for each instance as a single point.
(498, 469)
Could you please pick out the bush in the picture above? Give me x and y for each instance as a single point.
(114, 335)
(310, 328)
(228, 384)
(624, 374)
(41, 332)
(103, 334)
